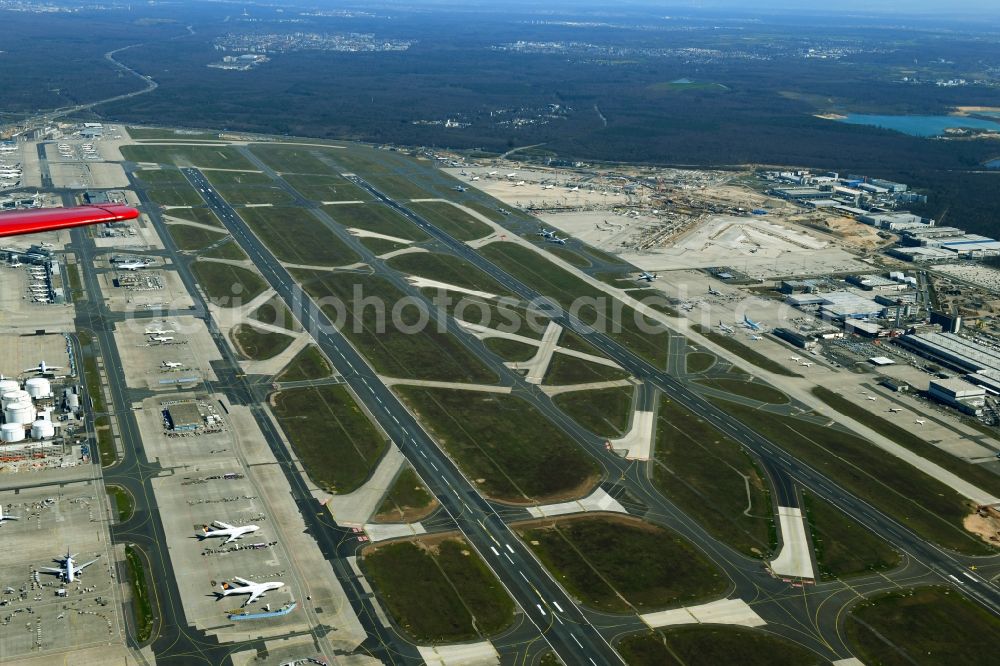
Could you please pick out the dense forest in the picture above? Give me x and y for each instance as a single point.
(624, 85)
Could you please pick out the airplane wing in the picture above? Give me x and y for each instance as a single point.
(232, 537)
(17, 222)
(225, 526)
(254, 595)
(242, 581)
(52, 570)
(80, 567)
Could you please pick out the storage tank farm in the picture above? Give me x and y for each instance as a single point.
(26, 411)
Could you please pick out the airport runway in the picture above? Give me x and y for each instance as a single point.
(783, 605)
(784, 470)
(544, 602)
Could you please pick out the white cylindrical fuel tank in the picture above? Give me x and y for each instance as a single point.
(8, 386)
(11, 432)
(19, 412)
(14, 396)
(38, 387)
(42, 430)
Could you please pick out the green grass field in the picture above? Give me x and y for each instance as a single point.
(399, 349)
(915, 499)
(244, 178)
(735, 346)
(295, 159)
(567, 255)
(142, 606)
(509, 450)
(440, 593)
(708, 645)
(453, 221)
(380, 246)
(530, 268)
(259, 345)
(201, 215)
(326, 188)
(307, 364)
(228, 285)
(152, 133)
(377, 218)
(167, 176)
(929, 626)
(620, 565)
(227, 250)
(193, 238)
(604, 412)
(255, 194)
(911, 440)
(175, 195)
(122, 501)
(407, 501)
(699, 361)
(510, 350)
(842, 547)
(337, 443)
(295, 236)
(275, 312)
(709, 477)
(204, 156)
(564, 369)
(747, 389)
(449, 269)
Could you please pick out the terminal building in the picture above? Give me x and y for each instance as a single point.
(979, 363)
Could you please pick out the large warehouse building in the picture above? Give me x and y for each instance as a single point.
(980, 363)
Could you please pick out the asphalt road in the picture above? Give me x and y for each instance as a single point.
(544, 602)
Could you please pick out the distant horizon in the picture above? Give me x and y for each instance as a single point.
(902, 8)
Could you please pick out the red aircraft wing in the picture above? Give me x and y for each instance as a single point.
(17, 222)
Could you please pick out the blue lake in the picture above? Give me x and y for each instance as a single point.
(920, 125)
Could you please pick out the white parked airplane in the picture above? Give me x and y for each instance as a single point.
(547, 187)
(807, 364)
(575, 189)
(131, 265)
(512, 174)
(519, 183)
(712, 291)
(475, 178)
(795, 358)
(920, 421)
(171, 364)
(41, 299)
(893, 410)
(557, 240)
(872, 398)
(226, 530)
(255, 590)
(547, 233)
(492, 173)
(43, 369)
(161, 338)
(69, 569)
(158, 331)
(726, 329)
(8, 517)
(648, 277)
